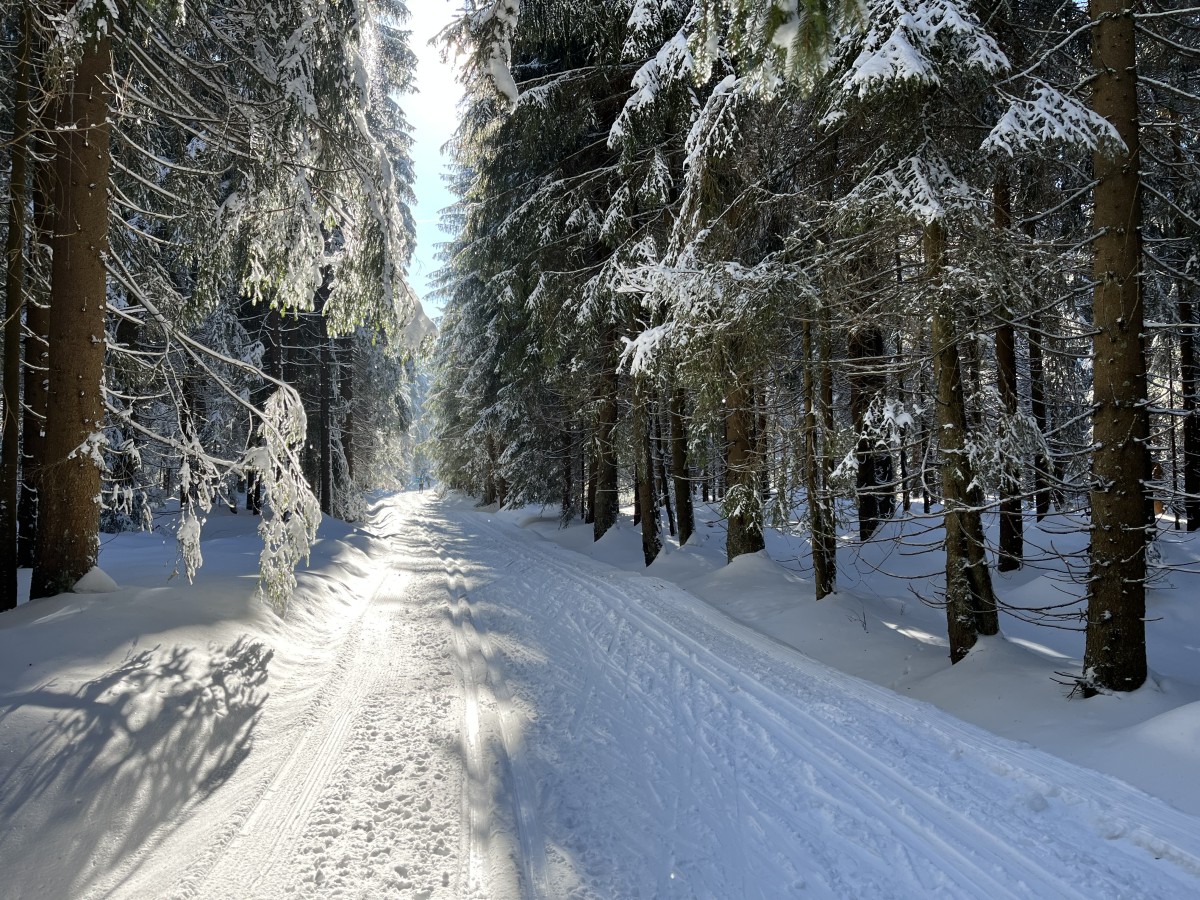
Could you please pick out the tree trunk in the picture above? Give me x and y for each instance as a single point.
(490, 491)
(1115, 651)
(680, 472)
(646, 506)
(346, 390)
(874, 494)
(824, 563)
(1037, 405)
(325, 414)
(14, 295)
(970, 603)
(37, 367)
(664, 481)
(589, 517)
(69, 515)
(1189, 373)
(568, 481)
(1189, 376)
(1011, 525)
(743, 506)
(607, 501)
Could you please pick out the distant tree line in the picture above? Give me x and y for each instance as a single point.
(860, 259)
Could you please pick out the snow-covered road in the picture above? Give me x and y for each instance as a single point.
(510, 719)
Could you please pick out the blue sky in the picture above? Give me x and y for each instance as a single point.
(433, 113)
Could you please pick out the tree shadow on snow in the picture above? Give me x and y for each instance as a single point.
(123, 754)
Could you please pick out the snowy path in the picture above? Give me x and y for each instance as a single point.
(508, 719)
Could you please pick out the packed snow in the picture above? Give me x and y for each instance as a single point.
(471, 703)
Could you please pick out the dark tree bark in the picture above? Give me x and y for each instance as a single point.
(14, 299)
(325, 423)
(1189, 372)
(568, 480)
(876, 501)
(1037, 405)
(664, 480)
(970, 604)
(346, 390)
(1115, 650)
(825, 351)
(680, 470)
(1012, 539)
(606, 505)
(744, 525)
(491, 491)
(589, 517)
(37, 367)
(1189, 375)
(647, 506)
(69, 514)
(824, 562)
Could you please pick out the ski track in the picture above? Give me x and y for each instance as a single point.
(683, 755)
(508, 719)
(366, 803)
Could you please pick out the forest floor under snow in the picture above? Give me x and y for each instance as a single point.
(464, 703)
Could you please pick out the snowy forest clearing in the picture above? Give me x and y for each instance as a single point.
(455, 707)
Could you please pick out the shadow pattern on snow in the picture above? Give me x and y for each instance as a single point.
(126, 752)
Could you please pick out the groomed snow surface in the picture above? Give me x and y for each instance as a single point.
(464, 703)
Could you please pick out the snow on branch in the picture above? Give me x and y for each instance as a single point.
(921, 187)
(1051, 117)
(490, 30)
(672, 64)
(910, 42)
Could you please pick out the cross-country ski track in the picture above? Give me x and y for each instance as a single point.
(508, 719)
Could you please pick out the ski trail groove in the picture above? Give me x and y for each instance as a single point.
(474, 875)
(482, 668)
(280, 814)
(930, 809)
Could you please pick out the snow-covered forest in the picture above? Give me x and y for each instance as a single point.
(208, 223)
(833, 262)
(797, 495)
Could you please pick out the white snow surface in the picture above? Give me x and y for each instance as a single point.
(95, 581)
(459, 704)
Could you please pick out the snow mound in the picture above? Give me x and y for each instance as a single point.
(96, 581)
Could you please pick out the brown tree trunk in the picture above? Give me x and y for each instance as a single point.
(744, 522)
(680, 471)
(346, 390)
(14, 296)
(325, 426)
(1037, 405)
(1011, 525)
(1115, 650)
(69, 513)
(875, 497)
(1189, 372)
(824, 563)
(606, 505)
(37, 347)
(647, 508)
(1189, 376)
(490, 488)
(568, 480)
(664, 480)
(589, 516)
(37, 367)
(970, 603)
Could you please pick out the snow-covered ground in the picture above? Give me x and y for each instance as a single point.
(458, 705)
